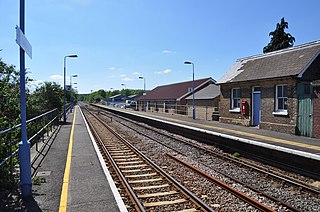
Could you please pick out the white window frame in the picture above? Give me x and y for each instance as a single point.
(277, 110)
(233, 107)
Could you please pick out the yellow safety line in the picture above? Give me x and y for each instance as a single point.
(279, 140)
(65, 185)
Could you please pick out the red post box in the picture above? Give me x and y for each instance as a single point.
(244, 107)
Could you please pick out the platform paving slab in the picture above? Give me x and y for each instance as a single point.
(88, 189)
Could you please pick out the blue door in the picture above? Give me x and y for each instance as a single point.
(256, 108)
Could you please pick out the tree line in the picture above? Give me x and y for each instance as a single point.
(97, 96)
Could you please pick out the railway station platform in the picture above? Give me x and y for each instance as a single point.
(73, 175)
(295, 153)
(272, 138)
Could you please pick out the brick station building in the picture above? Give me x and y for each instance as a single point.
(277, 91)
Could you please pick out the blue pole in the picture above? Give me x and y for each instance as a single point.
(64, 90)
(71, 100)
(144, 89)
(24, 145)
(193, 109)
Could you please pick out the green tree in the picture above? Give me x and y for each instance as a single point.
(280, 39)
(9, 93)
(9, 116)
(47, 97)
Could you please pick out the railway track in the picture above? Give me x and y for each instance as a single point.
(150, 188)
(133, 162)
(299, 188)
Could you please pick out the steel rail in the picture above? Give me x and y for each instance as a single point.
(269, 173)
(133, 197)
(235, 192)
(291, 208)
(182, 188)
(241, 163)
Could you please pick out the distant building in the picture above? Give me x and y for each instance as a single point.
(206, 101)
(115, 98)
(275, 91)
(172, 98)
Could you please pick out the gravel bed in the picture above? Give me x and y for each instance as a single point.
(213, 195)
(300, 199)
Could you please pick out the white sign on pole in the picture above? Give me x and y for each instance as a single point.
(23, 42)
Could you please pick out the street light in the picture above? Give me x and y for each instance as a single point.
(144, 92)
(24, 145)
(64, 85)
(193, 109)
(125, 88)
(71, 99)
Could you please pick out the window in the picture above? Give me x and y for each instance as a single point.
(281, 99)
(235, 99)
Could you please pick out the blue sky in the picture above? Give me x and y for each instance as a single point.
(119, 40)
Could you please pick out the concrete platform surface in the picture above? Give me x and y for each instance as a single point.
(89, 186)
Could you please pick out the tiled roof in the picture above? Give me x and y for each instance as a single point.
(173, 91)
(209, 92)
(287, 62)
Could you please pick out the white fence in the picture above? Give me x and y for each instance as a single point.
(201, 112)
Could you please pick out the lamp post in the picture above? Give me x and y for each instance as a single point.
(144, 92)
(64, 85)
(125, 88)
(111, 94)
(193, 109)
(71, 99)
(24, 145)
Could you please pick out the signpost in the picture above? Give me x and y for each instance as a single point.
(23, 42)
(24, 145)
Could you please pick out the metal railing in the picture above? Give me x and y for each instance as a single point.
(37, 127)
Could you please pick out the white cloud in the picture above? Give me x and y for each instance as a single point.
(112, 68)
(127, 79)
(136, 73)
(56, 77)
(122, 75)
(36, 82)
(168, 52)
(166, 71)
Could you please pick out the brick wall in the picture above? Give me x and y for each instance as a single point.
(316, 112)
(269, 121)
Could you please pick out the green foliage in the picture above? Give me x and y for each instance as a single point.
(9, 116)
(280, 39)
(9, 93)
(45, 98)
(96, 96)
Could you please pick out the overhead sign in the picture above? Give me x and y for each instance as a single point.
(23, 42)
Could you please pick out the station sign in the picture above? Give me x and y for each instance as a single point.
(23, 42)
